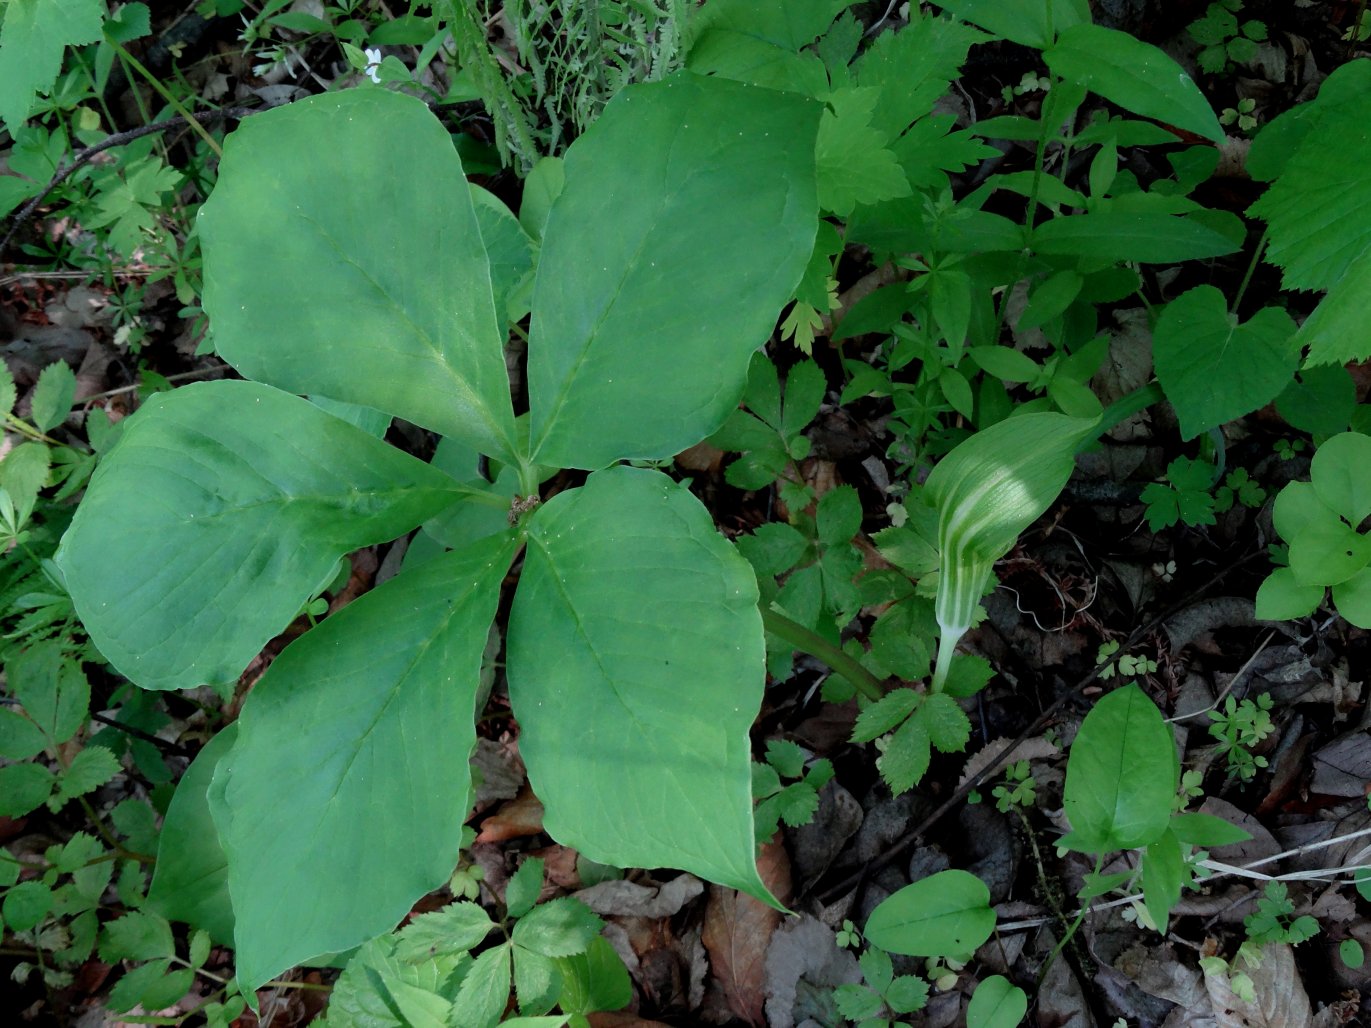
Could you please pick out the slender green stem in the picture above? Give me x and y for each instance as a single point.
(1251, 269)
(166, 95)
(28, 431)
(1126, 406)
(1070, 931)
(816, 645)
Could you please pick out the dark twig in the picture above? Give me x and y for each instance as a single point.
(917, 835)
(84, 157)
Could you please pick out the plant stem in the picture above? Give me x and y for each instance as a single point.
(1251, 269)
(816, 645)
(166, 95)
(1125, 407)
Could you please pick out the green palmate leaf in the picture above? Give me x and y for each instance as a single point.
(34, 35)
(343, 224)
(944, 915)
(912, 68)
(223, 508)
(1212, 368)
(1121, 775)
(1142, 237)
(988, 490)
(688, 216)
(1032, 23)
(996, 1003)
(1133, 74)
(635, 619)
(190, 880)
(854, 167)
(392, 675)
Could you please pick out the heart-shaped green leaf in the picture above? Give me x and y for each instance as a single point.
(1121, 775)
(1338, 473)
(223, 508)
(342, 801)
(1212, 368)
(343, 257)
(636, 666)
(688, 216)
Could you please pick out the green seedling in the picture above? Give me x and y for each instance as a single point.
(1238, 727)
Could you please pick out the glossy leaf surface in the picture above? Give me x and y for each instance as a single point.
(1121, 775)
(636, 669)
(221, 510)
(369, 718)
(343, 257)
(687, 218)
(944, 915)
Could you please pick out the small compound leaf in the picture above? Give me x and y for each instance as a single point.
(1121, 775)
(1214, 369)
(53, 690)
(190, 880)
(136, 936)
(1133, 74)
(88, 770)
(343, 257)
(221, 510)
(944, 915)
(638, 623)
(641, 279)
(393, 674)
(948, 726)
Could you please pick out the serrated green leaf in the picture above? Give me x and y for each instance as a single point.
(25, 905)
(221, 510)
(24, 788)
(393, 311)
(536, 981)
(394, 672)
(53, 396)
(883, 715)
(948, 726)
(32, 40)
(649, 631)
(20, 738)
(1214, 369)
(1120, 776)
(558, 928)
(658, 191)
(455, 929)
(128, 992)
(136, 936)
(797, 803)
(8, 394)
(52, 689)
(854, 166)
(910, 69)
(524, 886)
(804, 392)
(786, 757)
(379, 990)
(594, 980)
(906, 757)
(944, 915)
(773, 548)
(485, 990)
(88, 770)
(1136, 75)
(839, 515)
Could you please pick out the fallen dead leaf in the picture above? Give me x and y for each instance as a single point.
(737, 933)
(517, 819)
(1279, 999)
(629, 899)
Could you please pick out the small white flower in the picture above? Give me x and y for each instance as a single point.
(373, 63)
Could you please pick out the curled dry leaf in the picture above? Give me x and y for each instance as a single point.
(737, 934)
(1279, 999)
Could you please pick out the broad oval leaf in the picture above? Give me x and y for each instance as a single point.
(688, 216)
(1032, 23)
(1121, 775)
(996, 1003)
(1214, 369)
(1133, 74)
(190, 882)
(223, 508)
(944, 915)
(343, 799)
(343, 257)
(636, 664)
(1338, 473)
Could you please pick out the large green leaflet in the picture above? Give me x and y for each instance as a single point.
(221, 510)
(343, 257)
(32, 40)
(190, 882)
(636, 664)
(688, 216)
(344, 796)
